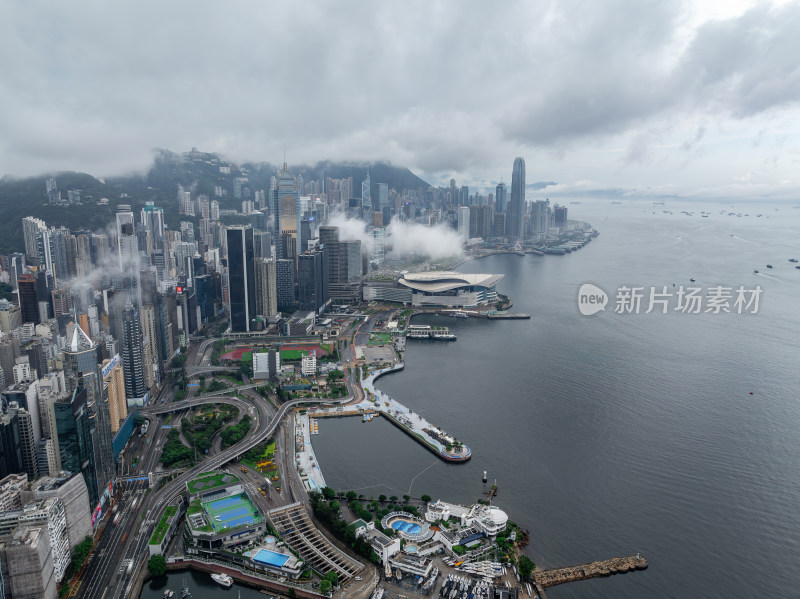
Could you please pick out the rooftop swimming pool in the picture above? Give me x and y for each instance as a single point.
(271, 558)
(406, 526)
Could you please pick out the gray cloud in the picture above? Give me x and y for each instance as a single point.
(437, 86)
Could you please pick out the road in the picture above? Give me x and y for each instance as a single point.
(107, 574)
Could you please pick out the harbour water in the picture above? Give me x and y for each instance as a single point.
(200, 585)
(615, 434)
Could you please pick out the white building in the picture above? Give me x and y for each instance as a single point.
(489, 519)
(309, 364)
(261, 365)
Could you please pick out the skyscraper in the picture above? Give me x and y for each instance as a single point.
(366, 199)
(515, 226)
(83, 421)
(28, 298)
(133, 363)
(313, 288)
(241, 276)
(500, 197)
(266, 287)
(284, 199)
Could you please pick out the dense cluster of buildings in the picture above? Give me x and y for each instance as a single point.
(94, 317)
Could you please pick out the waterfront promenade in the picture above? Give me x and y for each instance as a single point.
(306, 461)
(431, 436)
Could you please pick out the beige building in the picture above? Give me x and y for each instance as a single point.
(114, 386)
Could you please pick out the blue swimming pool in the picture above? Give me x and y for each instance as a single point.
(271, 558)
(406, 526)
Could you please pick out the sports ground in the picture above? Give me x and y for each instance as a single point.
(231, 512)
(289, 351)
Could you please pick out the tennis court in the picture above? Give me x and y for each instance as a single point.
(231, 512)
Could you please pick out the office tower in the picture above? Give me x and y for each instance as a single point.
(284, 200)
(463, 214)
(28, 298)
(124, 216)
(114, 387)
(500, 197)
(515, 217)
(284, 275)
(266, 287)
(262, 244)
(27, 440)
(366, 199)
(313, 289)
(133, 364)
(378, 239)
(84, 431)
(31, 227)
(205, 294)
(27, 557)
(241, 277)
(10, 449)
(383, 196)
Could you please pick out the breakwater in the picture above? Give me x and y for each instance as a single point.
(616, 565)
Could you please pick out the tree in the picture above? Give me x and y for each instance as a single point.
(526, 566)
(382, 497)
(406, 498)
(393, 498)
(351, 495)
(157, 565)
(291, 593)
(426, 498)
(332, 577)
(324, 586)
(328, 493)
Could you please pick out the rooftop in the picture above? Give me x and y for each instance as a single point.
(439, 281)
(210, 480)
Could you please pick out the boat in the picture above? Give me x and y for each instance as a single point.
(691, 280)
(168, 594)
(222, 580)
(185, 592)
(755, 270)
(459, 314)
(792, 259)
(769, 265)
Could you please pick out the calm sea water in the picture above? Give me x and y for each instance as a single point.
(616, 434)
(613, 434)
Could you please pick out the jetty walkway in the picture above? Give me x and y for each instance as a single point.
(616, 565)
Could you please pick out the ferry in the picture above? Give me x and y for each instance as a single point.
(792, 259)
(223, 580)
(459, 314)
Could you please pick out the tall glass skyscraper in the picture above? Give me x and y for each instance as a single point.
(133, 363)
(500, 197)
(82, 373)
(284, 196)
(515, 219)
(241, 277)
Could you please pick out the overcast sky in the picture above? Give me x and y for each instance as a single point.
(654, 96)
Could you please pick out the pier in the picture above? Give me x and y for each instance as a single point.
(506, 316)
(615, 565)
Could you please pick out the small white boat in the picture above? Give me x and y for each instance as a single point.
(222, 580)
